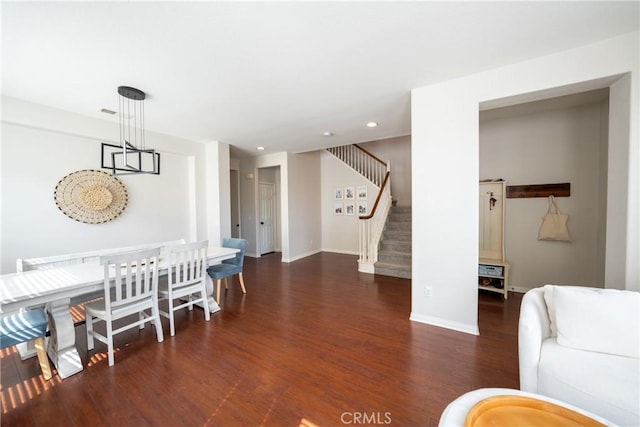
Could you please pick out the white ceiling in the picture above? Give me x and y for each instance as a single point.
(278, 74)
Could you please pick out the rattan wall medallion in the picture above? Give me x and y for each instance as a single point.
(91, 196)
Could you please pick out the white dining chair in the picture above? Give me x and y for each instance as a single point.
(186, 280)
(133, 290)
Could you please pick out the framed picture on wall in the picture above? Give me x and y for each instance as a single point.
(338, 194)
(349, 193)
(362, 192)
(350, 208)
(362, 208)
(338, 208)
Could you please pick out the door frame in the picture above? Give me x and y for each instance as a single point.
(274, 222)
(279, 229)
(238, 219)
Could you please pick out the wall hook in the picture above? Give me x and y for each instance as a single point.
(492, 202)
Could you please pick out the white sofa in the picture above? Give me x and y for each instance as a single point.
(582, 346)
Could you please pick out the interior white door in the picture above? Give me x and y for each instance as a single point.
(267, 212)
(235, 204)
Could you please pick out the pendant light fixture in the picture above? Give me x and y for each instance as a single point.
(131, 156)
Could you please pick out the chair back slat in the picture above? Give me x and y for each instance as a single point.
(135, 276)
(187, 264)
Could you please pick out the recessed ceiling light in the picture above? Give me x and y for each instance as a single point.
(261, 148)
(372, 124)
(328, 134)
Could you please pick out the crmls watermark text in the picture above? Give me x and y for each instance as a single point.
(368, 418)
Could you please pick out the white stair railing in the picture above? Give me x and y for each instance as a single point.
(371, 226)
(363, 162)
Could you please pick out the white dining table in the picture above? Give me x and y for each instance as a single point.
(54, 288)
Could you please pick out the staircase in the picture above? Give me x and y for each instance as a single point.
(385, 233)
(394, 253)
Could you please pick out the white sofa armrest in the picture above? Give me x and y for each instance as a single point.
(533, 328)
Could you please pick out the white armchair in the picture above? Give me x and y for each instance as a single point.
(581, 346)
(533, 329)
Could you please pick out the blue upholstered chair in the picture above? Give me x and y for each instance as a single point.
(29, 325)
(229, 267)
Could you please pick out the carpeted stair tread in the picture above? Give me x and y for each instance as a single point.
(394, 252)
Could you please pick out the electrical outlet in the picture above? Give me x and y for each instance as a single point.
(428, 291)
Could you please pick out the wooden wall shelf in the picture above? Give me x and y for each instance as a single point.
(541, 190)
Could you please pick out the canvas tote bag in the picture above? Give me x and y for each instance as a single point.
(554, 224)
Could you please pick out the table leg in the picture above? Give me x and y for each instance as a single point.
(213, 305)
(61, 346)
(26, 350)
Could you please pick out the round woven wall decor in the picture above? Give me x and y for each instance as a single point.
(91, 196)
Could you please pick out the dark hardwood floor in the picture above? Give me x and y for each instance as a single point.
(313, 342)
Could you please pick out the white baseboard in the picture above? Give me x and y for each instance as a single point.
(304, 255)
(444, 323)
(340, 251)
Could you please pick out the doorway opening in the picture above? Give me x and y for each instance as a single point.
(268, 220)
(552, 140)
(236, 230)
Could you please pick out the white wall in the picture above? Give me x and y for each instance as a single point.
(249, 179)
(444, 155)
(561, 145)
(218, 199)
(603, 170)
(248, 208)
(398, 152)
(445, 138)
(623, 224)
(40, 145)
(305, 217)
(223, 215)
(299, 197)
(340, 232)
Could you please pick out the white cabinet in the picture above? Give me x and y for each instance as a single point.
(491, 208)
(493, 269)
(493, 275)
